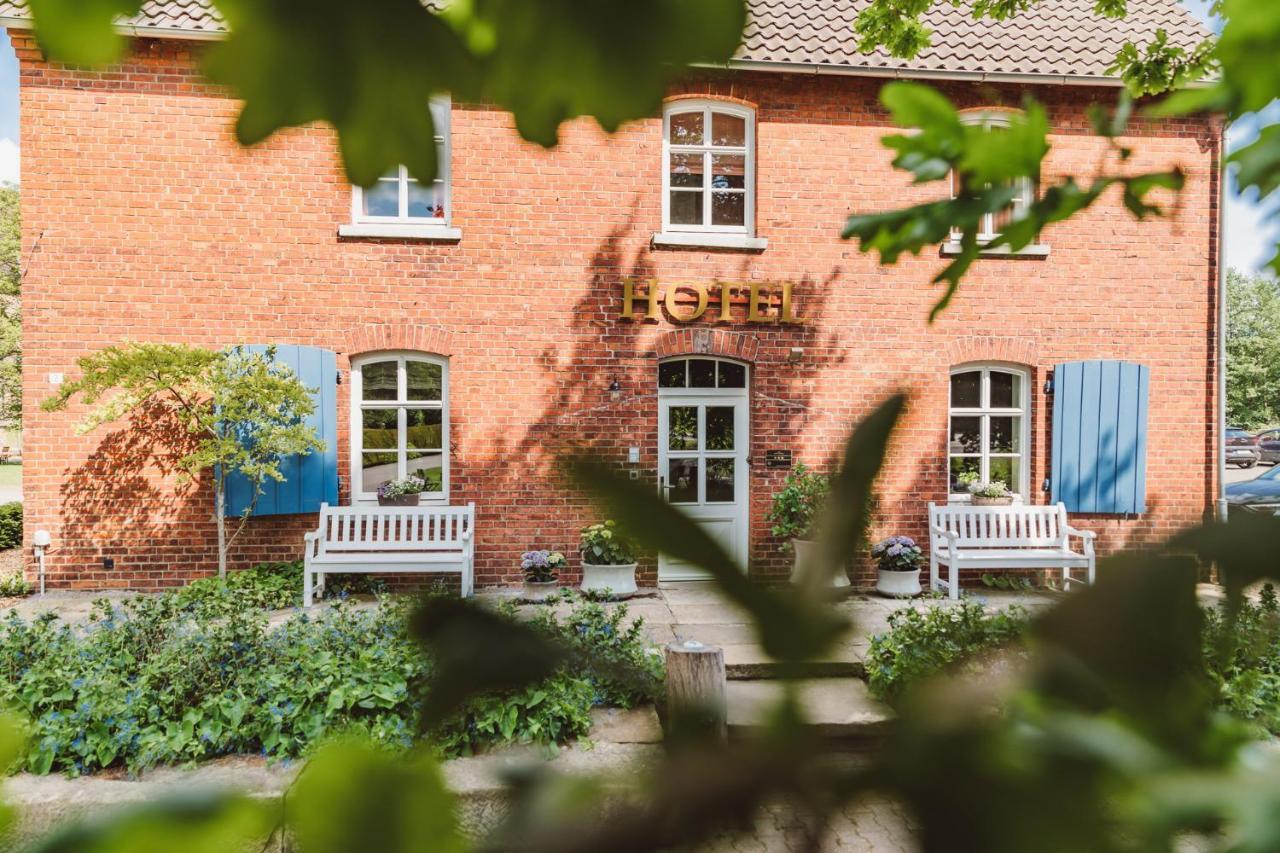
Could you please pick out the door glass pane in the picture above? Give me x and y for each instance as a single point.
(1005, 470)
(959, 466)
(686, 207)
(682, 477)
(671, 374)
(728, 129)
(966, 390)
(966, 435)
(720, 428)
(728, 208)
(1006, 390)
(1005, 435)
(686, 170)
(686, 128)
(424, 427)
(382, 199)
(702, 373)
(728, 171)
(720, 480)
(376, 469)
(378, 429)
(428, 466)
(682, 428)
(378, 380)
(732, 375)
(425, 380)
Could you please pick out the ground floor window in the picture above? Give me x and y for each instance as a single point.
(987, 437)
(399, 422)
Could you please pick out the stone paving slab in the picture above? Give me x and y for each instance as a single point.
(836, 707)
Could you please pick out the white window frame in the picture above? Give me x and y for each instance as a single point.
(359, 404)
(708, 107)
(1026, 186)
(402, 224)
(986, 411)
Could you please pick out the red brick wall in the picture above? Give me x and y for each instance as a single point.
(143, 220)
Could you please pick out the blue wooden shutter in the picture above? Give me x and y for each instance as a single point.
(1100, 436)
(312, 479)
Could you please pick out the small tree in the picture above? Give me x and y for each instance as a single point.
(238, 411)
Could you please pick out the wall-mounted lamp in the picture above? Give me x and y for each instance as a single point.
(796, 355)
(1048, 383)
(41, 540)
(614, 387)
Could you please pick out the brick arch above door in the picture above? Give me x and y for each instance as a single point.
(680, 342)
(418, 337)
(980, 348)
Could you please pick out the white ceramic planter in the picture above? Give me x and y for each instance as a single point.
(803, 548)
(539, 590)
(898, 584)
(620, 580)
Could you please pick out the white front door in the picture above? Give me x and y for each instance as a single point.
(702, 467)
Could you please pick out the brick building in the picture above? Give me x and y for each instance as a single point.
(484, 322)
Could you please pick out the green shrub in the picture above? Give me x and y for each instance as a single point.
(1244, 659)
(10, 525)
(797, 506)
(267, 586)
(14, 584)
(925, 641)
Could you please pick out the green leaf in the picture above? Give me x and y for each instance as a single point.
(81, 32)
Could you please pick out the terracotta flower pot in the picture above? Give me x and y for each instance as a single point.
(619, 580)
(398, 500)
(979, 500)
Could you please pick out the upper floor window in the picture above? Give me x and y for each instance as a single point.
(400, 204)
(988, 431)
(993, 224)
(399, 422)
(708, 178)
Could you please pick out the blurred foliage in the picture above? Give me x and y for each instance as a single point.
(10, 307)
(1253, 350)
(10, 525)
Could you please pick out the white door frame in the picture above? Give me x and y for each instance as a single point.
(738, 511)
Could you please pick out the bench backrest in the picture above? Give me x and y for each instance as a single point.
(395, 528)
(1019, 525)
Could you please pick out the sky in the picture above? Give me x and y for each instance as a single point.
(1248, 241)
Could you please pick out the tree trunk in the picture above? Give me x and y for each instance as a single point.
(220, 507)
(696, 691)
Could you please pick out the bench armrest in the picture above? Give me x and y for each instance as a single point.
(1083, 534)
(949, 535)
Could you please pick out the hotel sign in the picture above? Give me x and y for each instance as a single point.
(685, 302)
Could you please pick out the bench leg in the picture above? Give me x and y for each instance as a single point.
(1092, 569)
(319, 587)
(933, 571)
(953, 578)
(468, 580)
(308, 592)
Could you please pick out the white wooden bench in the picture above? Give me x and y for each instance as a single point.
(1004, 537)
(390, 539)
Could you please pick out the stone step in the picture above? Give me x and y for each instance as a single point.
(744, 659)
(837, 708)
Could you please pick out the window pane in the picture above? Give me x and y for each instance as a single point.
(376, 469)
(686, 208)
(424, 429)
(1006, 390)
(423, 200)
(382, 199)
(429, 467)
(966, 435)
(728, 208)
(732, 375)
(1005, 471)
(720, 480)
(682, 428)
(379, 429)
(425, 380)
(966, 390)
(728, 129)
(671, 374)
(728, 171)
(702, 373)
(719, 428)
(686, 128)
(1006, 435)
(959, 467)
(378, 381)
(682, 477)
(686, 170)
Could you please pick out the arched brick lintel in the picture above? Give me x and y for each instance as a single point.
(372, 337)
(987, 348)
(707, 342)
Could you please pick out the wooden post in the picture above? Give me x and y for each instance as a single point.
(696, 691)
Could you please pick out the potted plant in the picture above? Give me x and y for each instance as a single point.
(541, 570)
(898, 560)
(400, 492)
(795, 512)
(994, 493)
(608, 560)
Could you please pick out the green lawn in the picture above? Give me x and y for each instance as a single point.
(10, 476)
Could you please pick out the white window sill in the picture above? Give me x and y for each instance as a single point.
(1018, 500)
(1035, 250)
(710, 240)
(401, 231)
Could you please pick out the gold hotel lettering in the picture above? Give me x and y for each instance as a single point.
(760, 298)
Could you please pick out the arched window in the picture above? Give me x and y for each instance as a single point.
(988, 435)
(708, 176)
(994, 223)
(399, 422)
